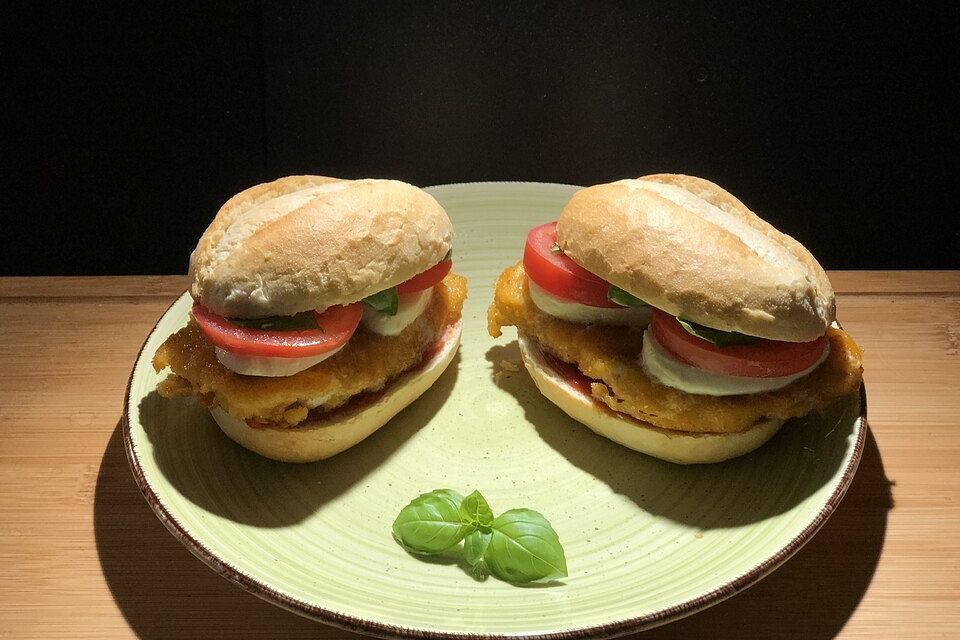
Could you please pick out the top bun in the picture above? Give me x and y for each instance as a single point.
(309, 242)
(685, 245)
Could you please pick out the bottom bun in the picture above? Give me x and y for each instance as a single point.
(341, 429)
(681, 447)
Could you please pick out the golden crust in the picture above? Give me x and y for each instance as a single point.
(286, 402)
(609, 355)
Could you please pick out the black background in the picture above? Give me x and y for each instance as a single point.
(126, 125)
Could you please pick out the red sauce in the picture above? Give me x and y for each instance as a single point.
(570, 374)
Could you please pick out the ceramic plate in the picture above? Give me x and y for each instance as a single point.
(646, 541)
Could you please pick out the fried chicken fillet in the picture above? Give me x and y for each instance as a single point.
(609, 356)
(367, 364)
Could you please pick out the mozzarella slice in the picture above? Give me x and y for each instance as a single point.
(410, 307)
(585, 314)
(269, 366)
(662, 366)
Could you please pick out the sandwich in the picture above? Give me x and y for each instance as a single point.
(322, 307)
(662, 313)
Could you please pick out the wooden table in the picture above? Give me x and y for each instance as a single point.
(83, 556)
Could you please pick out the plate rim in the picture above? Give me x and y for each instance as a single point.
(370, 626)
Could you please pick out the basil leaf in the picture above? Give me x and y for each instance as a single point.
(305, 321)
(475, 547)
(386, 302)
(524, 548)
(716, 336)
(431, 522)
(619, 296)
(447, 494)
(555, 249)
(476, 512)
(449, 256)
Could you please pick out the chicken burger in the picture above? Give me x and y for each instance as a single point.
(322, 307)
(663, 314)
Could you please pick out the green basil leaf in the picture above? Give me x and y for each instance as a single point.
(524, 548)
(446, 494)
(619, 296)
(555, 249)
(305, 321)
(386, 302)
(716, 336)
(475, 511)
(449, 256)
(431, 522)
(475, 547)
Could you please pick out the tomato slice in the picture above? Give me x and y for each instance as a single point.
(427, 279)
(558, 274)
(763, 359)
(336, 324)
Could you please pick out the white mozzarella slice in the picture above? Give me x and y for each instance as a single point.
(666, 369)
(585, 314)
(410, 307)
(270, 367)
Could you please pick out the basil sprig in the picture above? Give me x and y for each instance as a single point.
(306, 320)
(518, 546)
(716, 336)
(386, 302)
(618, 296)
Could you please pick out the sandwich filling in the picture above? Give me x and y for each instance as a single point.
(671, 371)
(409, 308)
(563, 289)
(573, 311)
(610, 356)
(365, 363)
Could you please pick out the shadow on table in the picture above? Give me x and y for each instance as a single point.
(161, 589)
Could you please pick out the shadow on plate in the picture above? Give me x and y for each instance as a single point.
(814, 594)
(162, 590)
(225, 479)
(800, 459)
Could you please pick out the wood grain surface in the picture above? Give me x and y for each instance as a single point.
(83, 556)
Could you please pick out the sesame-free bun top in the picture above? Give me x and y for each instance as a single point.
(309, 242)
(686, 246)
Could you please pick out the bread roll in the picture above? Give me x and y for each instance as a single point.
(686, 246)
(309, 242)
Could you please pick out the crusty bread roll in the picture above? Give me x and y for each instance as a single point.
(315, 440)
(306, 242)
(686, 246)
(682, 447)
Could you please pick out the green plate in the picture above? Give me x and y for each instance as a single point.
(646, 541)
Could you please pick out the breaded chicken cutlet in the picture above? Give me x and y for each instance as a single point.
(366, 364)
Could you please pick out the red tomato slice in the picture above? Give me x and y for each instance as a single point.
(764, 359)
(337, 325)
(427, 279)
(559, 275)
